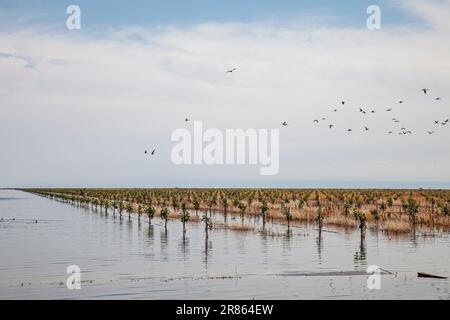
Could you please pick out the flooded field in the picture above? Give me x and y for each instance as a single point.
(124, 259)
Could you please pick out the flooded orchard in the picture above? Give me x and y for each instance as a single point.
(125, 258)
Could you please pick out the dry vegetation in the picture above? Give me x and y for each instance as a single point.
(387, 210)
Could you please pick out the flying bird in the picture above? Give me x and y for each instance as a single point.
(316, 121)
(284, 123)
(342, 102)
(231, 70)
(430, 132)
(349, 130)
(390, 109)
(324, 119)
(145, 152)
(335, 110)
(438, 98)
(153, 152)
(331, 126)
(401, 101)
(186, 120)
(365, 128)
(425, 90)
(436, 121)
(373, 111)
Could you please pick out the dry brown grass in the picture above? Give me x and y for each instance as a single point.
(240, 227)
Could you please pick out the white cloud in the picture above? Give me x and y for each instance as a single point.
(91, 104)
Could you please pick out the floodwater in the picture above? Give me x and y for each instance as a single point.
(122, 259)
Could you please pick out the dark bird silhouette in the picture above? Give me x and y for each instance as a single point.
(361, 110)
(145, 152)
(436, 121)
(390, 109)
(331, 126)
(335, 110)
(231, 70)
(365, 128)
(425, 90)
(390, 132)
(373, 111)
(342, 102)
(186, 120)
(324, 119)
(316, 121)
(438, 98)
(430, 132)
(349, 130)
(284, 123)
(444, 123)
(446, 120)
(153, 152)
(401, 101)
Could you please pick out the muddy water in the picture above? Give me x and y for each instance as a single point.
(126, 259)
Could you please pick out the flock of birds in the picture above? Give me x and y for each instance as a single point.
(403, 130)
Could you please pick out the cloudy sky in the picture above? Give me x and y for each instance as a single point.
(79, 107)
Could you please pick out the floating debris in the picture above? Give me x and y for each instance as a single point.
(427, 275)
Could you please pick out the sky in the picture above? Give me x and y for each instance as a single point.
(78, 107)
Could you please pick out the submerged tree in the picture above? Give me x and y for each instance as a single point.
(150, 213)
(139, 212)
(286, 211)
(184, 216)
(412, 209)
(242, 207)
(347, 206)
(129, 209)
(121, 208)
(208, 223)
(361, 218)
(319, 217)
(225, 206)
(196, 204)
(264, 209)
(164, 214)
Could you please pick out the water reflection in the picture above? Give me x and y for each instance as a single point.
(118, 250)
(360, 254)
(184, 245)
(319, 244)
(164, 241)
(151, 234)
(207, 252)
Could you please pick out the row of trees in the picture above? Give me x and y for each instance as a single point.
(380, 204)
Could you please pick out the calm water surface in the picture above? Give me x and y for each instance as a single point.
(126, 259)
